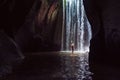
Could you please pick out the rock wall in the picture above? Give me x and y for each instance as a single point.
(104, 18)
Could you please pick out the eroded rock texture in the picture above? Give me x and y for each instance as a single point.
(105, 44)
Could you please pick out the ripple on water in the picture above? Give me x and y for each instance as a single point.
(74, 67)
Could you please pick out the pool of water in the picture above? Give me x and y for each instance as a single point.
(54, 66)
(74, 66)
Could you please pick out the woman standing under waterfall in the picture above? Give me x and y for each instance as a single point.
(72, 47)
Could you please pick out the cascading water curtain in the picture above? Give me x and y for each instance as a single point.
(76, 28)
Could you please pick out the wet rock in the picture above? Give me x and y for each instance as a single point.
(10, 55)
(104, 19)
(105, 44)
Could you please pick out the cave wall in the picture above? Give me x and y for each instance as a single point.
(18, 31)
(104, 18)
(12, 14)
(34, 25)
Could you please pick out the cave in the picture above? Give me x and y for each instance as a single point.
(34, 42)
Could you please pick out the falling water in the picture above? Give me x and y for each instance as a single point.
(76, 28)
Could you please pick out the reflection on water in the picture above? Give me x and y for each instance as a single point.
(74, 67)
(55, 66)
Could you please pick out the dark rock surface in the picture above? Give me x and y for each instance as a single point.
(41, 30)
(105, 44)
(10, 55)
(104, 18)
(13, 14)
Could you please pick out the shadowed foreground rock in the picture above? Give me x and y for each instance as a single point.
(10, 55)
(105, 44)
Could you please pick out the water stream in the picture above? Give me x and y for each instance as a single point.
(76, 28)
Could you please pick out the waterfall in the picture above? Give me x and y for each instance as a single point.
(76, 28)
